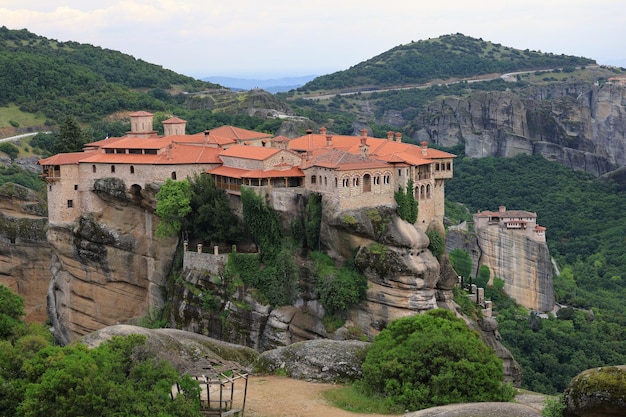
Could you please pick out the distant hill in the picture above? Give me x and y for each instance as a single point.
(272, 85)
(442, 58)
(60, 78)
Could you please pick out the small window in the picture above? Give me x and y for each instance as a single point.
(93, 168)
(112, 169)
(75, 187)
(174, 175)
(313, 179)
(49, 188)
(132, 169)
(70, 203)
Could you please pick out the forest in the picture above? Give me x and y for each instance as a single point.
(449, 56)
(585, 225)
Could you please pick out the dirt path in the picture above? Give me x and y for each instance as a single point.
(274, 396)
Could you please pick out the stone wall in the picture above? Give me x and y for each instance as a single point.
(209, 262)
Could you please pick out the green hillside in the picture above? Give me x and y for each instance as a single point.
(443, 58)
(61, 78)
(585, 235)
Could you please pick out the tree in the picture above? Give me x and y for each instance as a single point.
(484, 275)
(71, 137)
(433, 359)
(213, 220)
(11, 312)
(263, 224)
(173, 204)
(407, 204)
(461, 262)
(10, 149)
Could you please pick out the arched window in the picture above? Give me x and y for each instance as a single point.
(174, 175)
(132, 169)
(367, 183)
(422, 192)
(428, 191)
(112, 169)
(93, 168)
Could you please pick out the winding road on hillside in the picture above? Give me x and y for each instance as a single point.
(509, 76)
(18, 137)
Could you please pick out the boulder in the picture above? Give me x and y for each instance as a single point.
(320, 360)
(597, 392)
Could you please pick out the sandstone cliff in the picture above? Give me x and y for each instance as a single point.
(523, 263)
(580, 125)
(24, 250)
(404, 278)
(107, 267)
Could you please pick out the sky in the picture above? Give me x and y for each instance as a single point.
(281, 38)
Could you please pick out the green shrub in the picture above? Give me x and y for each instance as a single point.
(337, 288)
(433, 359)
(437, 243)
(407, 205)
(10, 149)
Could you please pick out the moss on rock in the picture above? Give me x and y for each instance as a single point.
(595, 392)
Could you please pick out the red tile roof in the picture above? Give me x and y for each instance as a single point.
(140, 113)
(384, 149)
(66, 158)
(228, 172)
(237, 133)
(174, 120)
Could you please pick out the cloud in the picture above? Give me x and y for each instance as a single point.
(211, 37)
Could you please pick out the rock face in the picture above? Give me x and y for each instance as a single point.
(184, 350)
(523, 263)
(24, 250)
(107, 268)
(402, 272)
(581, 126)
(596, 392)
(404, 278)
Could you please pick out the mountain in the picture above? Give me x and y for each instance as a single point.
(60, 78)
(445, 57)
(273, 85)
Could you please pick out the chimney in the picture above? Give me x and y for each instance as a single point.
(398, 137)
(502, 209)
(322, 130)
(424, 148)
(390, 135)
(363, 133)
(364, 150)
(329, 141)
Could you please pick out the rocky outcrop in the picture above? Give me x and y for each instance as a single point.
(316, 360)
(186, 351)
(580, 125)
(404, 278)
(523, 263)
(596, 392)
(24, 250)
(107, 268)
